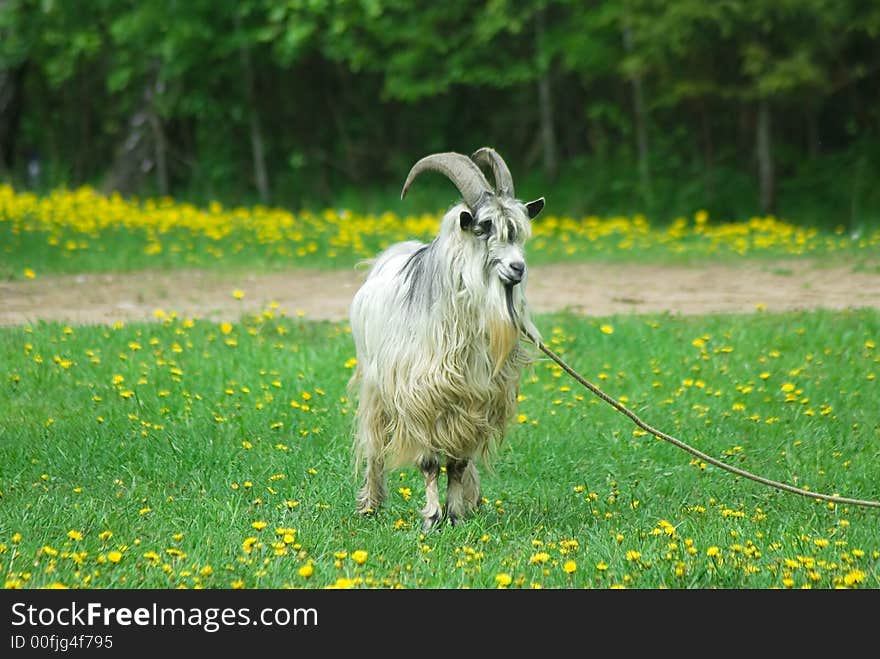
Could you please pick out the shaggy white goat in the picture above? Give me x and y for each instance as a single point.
(436, 328)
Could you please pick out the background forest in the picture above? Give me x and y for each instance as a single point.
(738, 107)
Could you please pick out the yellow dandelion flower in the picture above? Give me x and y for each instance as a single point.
(359, 556)
(503, 579)
(606, 329)
(854, 578)
(74, 535)
(713, 551)
(238, 294)
(540, 557)
(259, 525)
(29, 273)
(306, 571)
(343, 584)
(114, 556)
(226, 327)
(569, 567)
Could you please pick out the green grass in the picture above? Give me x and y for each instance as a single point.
(150, 455)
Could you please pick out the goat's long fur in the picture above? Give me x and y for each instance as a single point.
(436, 328)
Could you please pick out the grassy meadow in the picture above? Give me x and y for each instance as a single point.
(188, 453)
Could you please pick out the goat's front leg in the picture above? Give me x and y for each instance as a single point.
(462, 492)
(432, 512)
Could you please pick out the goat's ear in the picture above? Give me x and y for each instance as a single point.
(534, 207)
(466, 220)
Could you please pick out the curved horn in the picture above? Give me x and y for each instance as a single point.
(459, 169)
(503, 179)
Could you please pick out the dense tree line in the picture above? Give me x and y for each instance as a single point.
(745, 105)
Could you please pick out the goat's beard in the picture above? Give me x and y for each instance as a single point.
(511, 310)
(503, 335)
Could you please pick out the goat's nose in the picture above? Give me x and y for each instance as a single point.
(518, 268)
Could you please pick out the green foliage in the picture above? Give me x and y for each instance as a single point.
(346, 95)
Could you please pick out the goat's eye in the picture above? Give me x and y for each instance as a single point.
(484, 228)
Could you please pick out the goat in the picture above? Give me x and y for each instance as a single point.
(436, 331)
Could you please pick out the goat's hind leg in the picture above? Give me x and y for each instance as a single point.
(369, 440)
(432, 513)
(373, 492)
(470, 483)
(463, 490)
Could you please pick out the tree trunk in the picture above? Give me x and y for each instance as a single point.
(258, 154)
(143, 147)
(10, 113)
(548, 132)
(766, 177)
(160, 144)
(160, 150)
(641, 120)
(545, 103)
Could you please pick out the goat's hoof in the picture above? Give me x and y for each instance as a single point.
(458, 516)
(431, 522)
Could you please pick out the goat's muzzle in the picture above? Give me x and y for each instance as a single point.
(513, 273)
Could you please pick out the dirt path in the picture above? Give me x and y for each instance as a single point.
(586, 288)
